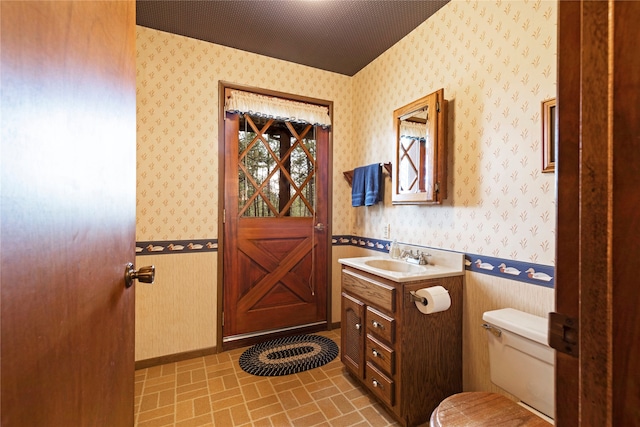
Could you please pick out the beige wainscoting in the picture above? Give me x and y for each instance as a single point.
(482, 293)
(176, 314)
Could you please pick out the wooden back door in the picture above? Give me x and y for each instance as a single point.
(67, 205)
(276, 233)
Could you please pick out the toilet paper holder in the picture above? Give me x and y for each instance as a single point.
(415, 297)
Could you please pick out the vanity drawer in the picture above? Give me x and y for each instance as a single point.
(381, 325)
(381, 355)
(380, 384)
(378, 293)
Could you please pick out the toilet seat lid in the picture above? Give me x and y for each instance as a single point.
(482, 409)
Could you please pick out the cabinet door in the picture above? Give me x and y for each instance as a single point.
(352, 334)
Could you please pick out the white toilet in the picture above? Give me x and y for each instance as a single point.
(521, 363)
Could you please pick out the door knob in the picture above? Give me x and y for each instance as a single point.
(144, 274)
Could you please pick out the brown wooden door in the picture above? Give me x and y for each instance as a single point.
(598, 204)
(276, 229)
(68, 213)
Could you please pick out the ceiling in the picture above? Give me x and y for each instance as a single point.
(342, 36)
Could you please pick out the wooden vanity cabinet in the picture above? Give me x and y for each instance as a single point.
(408, 360)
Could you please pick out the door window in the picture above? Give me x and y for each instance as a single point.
(276, 168)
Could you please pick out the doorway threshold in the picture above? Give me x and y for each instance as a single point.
(240, 340)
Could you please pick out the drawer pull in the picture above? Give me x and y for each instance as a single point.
(377, 384)
(358, 326)
(376, 353)
(377, 325)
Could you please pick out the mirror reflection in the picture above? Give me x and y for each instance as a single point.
(420, 175)
(415, 148)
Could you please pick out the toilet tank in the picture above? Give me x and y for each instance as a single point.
(521, 361)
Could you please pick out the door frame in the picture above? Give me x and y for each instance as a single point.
(222, 86)
(597, 223)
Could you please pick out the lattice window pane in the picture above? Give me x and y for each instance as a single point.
(276, 168)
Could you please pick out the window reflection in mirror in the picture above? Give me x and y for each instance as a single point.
(420, 175)
(414, 148)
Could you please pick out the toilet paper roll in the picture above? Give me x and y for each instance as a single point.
(438, 299)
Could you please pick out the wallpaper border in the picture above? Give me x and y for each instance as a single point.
(521, 271)
(159, 247)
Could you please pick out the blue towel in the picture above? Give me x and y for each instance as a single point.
(357, 187)
(372, 184)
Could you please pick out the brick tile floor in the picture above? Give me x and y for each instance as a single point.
(214, 391)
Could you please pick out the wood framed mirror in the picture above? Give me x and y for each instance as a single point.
(420, 175)
(549, 131)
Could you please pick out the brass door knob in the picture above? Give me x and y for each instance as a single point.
(144, 274)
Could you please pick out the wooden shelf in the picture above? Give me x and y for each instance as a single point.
(348, 175)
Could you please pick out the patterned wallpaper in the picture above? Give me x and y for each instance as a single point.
(496, 61)
(177, 115)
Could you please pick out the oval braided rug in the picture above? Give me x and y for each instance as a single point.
(288, 355)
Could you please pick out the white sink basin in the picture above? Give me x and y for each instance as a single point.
(447, 264)
(397, 266)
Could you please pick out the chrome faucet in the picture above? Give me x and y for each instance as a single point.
(418, 258)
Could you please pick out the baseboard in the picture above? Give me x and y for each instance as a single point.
(177, 357)
(251, 340)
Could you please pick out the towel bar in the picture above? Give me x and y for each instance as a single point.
(348, 175)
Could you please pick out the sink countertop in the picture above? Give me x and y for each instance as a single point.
(445, 264)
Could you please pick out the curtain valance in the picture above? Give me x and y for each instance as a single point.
(412, 129)
(277, 108)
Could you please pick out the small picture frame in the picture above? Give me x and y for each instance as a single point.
(549, 135)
